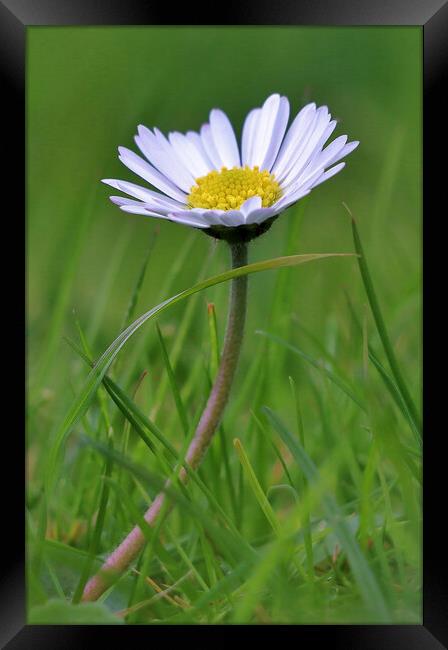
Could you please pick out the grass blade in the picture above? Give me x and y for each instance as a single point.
(83, 400)
(365, 579)
(256, 487)
(143, 426)
(381, 326)
(388, 380)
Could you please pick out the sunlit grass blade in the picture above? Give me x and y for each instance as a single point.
(380, 324)
(366, 581)
(256, 487)
(81, 403)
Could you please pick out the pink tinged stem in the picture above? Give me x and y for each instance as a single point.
(131, 546)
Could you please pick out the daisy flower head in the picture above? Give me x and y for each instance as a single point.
(205, 180)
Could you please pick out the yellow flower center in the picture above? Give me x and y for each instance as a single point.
(229, 188)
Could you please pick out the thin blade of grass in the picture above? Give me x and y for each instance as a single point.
(214, 345)
(99, 525)
(256, 487)
(381, 326)
(181, 336)
(388, 380)
(367, 583)
(143, 426)
(271, 442)
(167, 288)
(82, 402)
(224, 539)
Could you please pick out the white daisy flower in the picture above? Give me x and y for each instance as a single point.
(207, 181)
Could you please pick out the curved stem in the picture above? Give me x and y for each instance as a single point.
(131, 546)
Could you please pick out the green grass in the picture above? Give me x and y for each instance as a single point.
(307, 508)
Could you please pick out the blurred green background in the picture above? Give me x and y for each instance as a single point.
(89, 88)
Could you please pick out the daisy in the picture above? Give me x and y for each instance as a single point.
(205, 180)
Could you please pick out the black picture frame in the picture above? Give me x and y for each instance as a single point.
(432, 16)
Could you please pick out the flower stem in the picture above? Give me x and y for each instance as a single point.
(131, 546)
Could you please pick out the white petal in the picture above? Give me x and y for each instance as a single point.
(122, 200)
(319, 160)
(141, 206)
(211, 217)
(248, 138)
(227, 218)
(351, 146)
(195, 139)
(249, 205)
(230, 218)
(275, 137)
(305, 181)
(187, 220)
(160, 153)
(150, 174)
(304, 151)
(196, 223)
(322, 140)
(260, 215)
(190, 155)
(289, 199)
(331, 154)
(322, 157)
(144, 194)
(140, 209)
(295, 135)
(224, 138)
(147, 210)
(266, 131)
(329, 173)
(209, 146)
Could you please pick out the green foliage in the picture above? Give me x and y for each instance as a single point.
(61, 612)
(314, 515)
